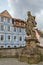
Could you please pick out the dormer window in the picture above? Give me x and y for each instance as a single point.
(22, 23)
(19, 23)
(14, 22)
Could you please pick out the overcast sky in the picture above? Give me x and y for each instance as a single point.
(19, 8)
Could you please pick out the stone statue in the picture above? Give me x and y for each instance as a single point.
(30, 24)
(30, 51)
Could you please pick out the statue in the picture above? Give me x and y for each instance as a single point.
(30, 51)
(30, 24)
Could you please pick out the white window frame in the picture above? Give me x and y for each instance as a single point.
(1, 27)
(14, 22)
(16, 37)
(20, 30)
(15, 29)
(9, 39)
(3, 38)
(2, 18)
(7, 28)
(20, 23)
(8, 20)
(20, 37)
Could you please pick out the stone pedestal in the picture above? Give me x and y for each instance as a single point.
(31, 42)
(31, 52)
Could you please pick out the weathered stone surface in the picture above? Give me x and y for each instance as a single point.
(10, 52)
(31, 51)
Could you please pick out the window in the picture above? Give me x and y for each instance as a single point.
(19, 29)
(8, 20)
(2, 27)
(9, 37)
(22, 23)
(5, 19)
(19, 23)
(14, 29)
(14, 22)
(2, 38)
(14, 37)
(8, 28)
(20, 38)
(2, 19)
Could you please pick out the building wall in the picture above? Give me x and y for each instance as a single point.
(9, 30)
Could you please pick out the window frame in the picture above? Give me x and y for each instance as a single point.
(9, 39)
(19, 29)
(14, 29)
(14, 22)
(8, 28)
(15, 38)
(8, 20)
(2, 27)
(1, 38)
(20, 38)
(2, 18)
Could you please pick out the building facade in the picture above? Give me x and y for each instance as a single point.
(12, 31)
(40, 37)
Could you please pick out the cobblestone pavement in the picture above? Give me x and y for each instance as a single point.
(12, 61)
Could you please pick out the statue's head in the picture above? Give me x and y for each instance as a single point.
(29, 13)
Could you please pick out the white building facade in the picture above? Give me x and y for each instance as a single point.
(11, 35)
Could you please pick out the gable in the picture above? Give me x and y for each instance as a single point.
(6, 14)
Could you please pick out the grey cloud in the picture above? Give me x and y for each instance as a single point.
(20, 7)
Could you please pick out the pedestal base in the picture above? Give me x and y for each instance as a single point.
(31, 52)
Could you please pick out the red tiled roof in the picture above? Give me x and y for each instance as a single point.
(17, 23)
(15, 19)
(6, 14)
